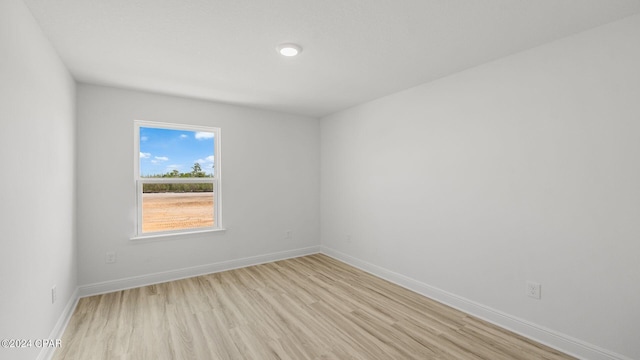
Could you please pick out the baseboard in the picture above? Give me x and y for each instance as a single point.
(551, 338)
(554, 339)
(160, 277)
(47, 352)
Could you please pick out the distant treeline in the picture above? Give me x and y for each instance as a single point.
(179, 187)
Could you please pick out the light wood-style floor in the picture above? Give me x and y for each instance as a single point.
(312, 307)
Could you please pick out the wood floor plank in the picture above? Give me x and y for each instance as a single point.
(307, 308)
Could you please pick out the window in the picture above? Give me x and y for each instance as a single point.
(177, 176)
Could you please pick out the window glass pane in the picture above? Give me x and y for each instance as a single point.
(177, 206)
(176, 153)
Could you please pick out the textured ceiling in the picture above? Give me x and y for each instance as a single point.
(354, 50)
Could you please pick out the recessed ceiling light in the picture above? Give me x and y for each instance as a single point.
(289, 49)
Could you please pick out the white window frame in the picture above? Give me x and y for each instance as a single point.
(140, 181)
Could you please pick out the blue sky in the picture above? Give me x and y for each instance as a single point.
(163, 150)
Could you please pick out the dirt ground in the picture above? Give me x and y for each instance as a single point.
(176, 211)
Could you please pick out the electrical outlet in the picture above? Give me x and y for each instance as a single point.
(533, 290)
(288, 234)
(54, 295)
(111, 257)
(348, 238)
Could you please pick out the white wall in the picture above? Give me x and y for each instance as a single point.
(521, 169)
(525, 168)
(270, 166)
(37, 204)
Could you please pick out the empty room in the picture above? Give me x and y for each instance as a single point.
(297, 179)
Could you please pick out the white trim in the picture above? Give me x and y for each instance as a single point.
(216, 178)
(551, 338)
(177, 233)
(171, 275)
(173, 126)
(554, 339)
(46, 353)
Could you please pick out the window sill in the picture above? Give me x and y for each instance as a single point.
(176, 234)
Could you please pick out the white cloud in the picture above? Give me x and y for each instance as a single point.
(144, 138)
(161, 158)
(173, 166)
(208, 159)
(206, 163)
(200, 135)
(183, 136)
(145, 155)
